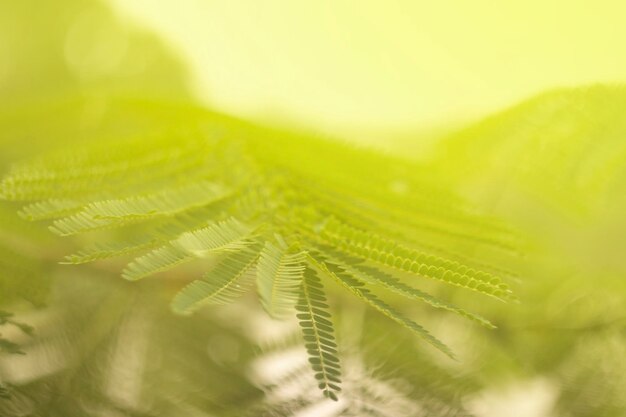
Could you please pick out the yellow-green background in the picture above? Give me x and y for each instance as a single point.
(371, 69)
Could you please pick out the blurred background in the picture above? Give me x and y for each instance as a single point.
(379, 71)
(516, 106)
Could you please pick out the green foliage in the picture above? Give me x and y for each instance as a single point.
(216, 187)
(225, 282)
(318, 334)
(238, 204)
(355, 246)
(372, 275)
(279, 276)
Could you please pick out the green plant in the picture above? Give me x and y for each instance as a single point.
(204, 188)
(269, 271)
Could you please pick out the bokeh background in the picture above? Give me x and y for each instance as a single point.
(379, 70)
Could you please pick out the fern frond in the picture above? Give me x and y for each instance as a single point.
(158, 260)
(79, 223)
(105, 165)
(355, 286)
(227, 235)
(49, 209)
(375, 248)
(279, 277)
(220, 285)
(105, 250)
(407, 223)
(373, 275)
(157, 233)
(167, 202)
(113, 213)
(318, 334)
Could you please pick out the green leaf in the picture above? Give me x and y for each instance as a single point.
(157, 260)
(227, 235)
(165, 203)
(352, 284)
(49, 209)
(105, 250)
(370, 246)
(221, 285)
(115, 213)
(279, 278)
(374, 275)
(318, 334)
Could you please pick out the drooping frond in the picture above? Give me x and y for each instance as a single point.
(375, 248)
(220, 285)
(105, 250)
(339, 274)
(112, 213)
(166, 202)
(279, 277)
(318, 334)
(225, 236)
(372, 275)
(155, 261)
(49, 209)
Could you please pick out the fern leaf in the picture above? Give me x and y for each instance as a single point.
(167, 202)
(79, 223)
(112, 213)
(375, 276)
(318, 333)
(279, 277)
(86, 170)
(158, 260)
(357, 287)
(375, 248)
(49, 209)
(220, 285)
(227, 235)
(370, 274)
(404, 223)
(106, 250)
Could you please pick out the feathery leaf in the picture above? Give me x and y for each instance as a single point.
(375, 248)
(318, 334)
(279, 277)
(227, 235)
(220, 285)
(157, 260)
(355, 286)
